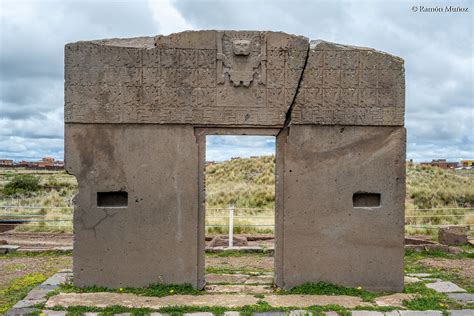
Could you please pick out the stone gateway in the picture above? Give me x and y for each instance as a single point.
(137, 112)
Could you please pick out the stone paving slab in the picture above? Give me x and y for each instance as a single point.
(395, 300)
(300, 312)
(260, 279)
(463, 297)
(465, 312)
(445, 287)
(420, 313)
(214, 278)
(54, 313)
(58, 278)
(310, 300)
(419, 275)
(21, 311)
(226, 300)
(409, 279)
(132, 300)
(238, 288)
(25, 303)
(462, 312)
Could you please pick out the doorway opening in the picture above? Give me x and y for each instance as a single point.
(239, 193)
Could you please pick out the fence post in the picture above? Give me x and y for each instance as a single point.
(231, 226)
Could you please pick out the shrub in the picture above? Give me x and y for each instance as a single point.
(21, 184)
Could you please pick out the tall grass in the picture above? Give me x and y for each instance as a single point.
(250, 183)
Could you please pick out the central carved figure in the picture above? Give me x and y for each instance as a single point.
(241, 57)
(241, 47)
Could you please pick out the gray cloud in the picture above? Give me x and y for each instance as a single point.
(33, 35)
(437, 48)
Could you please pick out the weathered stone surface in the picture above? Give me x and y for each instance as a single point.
(326, 237)
(395, 300)
(453, 235)
(408, 280)
(420, 313)
(367, 313)
(464, 297)
(137, 112)
(187, 78)
(462, 312)
(213, 278)
(301, 312)
(420, 275)
(346, 85)
(300, 301)
(21, 311)
(54, 313)
(153, 238)
(260, 279)
(131, 300)
(57, 279)
(28, 303)
(445, 287)
(238, 288)
(223, 241)
(225, 300)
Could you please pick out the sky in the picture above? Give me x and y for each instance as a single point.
(437, 48)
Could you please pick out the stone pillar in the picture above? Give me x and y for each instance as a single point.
(342, 219)
(136, 214)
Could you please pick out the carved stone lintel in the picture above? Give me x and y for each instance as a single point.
(242, 57)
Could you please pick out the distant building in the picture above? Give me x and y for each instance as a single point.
(45, 163)
(467, 163)
(442, 163)
(6, 162)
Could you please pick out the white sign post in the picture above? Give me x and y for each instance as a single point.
(231, 226)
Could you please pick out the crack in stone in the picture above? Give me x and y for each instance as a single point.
(290, 109)
(93, 227)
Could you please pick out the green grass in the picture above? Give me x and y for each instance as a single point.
(157, 290)
(323, 288)
(250, 183)
(247, 310)
(412, 265)
(426, 299)
(51, 253)
(18, 289)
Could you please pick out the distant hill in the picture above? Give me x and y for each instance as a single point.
(250, 182)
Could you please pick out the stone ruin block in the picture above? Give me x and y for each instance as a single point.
(137, 112)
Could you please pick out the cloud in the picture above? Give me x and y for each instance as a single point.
(32, 39)
(437, 48)
(220, 148)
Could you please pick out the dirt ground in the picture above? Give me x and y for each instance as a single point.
(49, 241)
(250, 262)
(16, 267)
(462, 267)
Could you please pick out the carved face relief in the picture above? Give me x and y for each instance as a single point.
(241, 57)
(241, 47)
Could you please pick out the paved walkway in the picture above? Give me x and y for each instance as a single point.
(219, 294)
